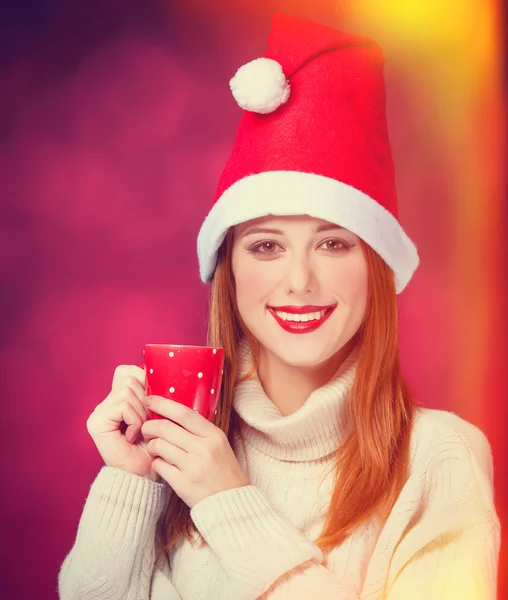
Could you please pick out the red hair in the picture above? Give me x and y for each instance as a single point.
(371, 463)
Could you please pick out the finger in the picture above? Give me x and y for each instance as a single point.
(111, 409)
(171, 474)
(127, 372)
(127, 395)
(136, 387)
(170, 432)
(133, 422)
(189, 419)
(140, 407)
(169, 453)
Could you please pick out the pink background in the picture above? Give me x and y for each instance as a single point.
(115, 121)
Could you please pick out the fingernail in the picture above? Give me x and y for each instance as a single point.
(147, 400)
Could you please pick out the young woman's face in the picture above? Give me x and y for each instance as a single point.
(307, 261)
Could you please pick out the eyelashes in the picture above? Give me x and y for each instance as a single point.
(256, 248)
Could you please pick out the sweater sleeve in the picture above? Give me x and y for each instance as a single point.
(449, 552)
(114, 552)
(454, 567)
(256, 546)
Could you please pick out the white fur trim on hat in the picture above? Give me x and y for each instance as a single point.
(260, 86)
(293, 193)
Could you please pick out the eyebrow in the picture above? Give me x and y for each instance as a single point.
(325, 227)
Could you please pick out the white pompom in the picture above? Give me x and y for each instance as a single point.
(260, 86)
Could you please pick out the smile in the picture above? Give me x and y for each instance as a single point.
(311, 316)
(301, 323)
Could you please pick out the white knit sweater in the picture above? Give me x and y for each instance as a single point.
(441, 540)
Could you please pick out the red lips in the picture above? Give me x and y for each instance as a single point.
(300, 310)
(301, 326)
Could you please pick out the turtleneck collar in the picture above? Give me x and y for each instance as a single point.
(314, 431)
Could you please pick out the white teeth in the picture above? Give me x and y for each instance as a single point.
(300, 318)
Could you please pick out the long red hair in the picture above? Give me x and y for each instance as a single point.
(370, 465)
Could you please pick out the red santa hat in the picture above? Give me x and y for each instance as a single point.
(312, 140)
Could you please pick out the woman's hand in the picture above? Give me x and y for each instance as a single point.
(116, 422)
(190, 453)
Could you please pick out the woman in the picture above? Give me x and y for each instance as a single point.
(320, 476)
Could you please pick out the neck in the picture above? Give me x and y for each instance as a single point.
(289, 386)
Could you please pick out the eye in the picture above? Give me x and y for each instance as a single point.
(334, 245)
(339, 245)
(256, 249)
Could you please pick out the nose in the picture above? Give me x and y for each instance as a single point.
(300, 276)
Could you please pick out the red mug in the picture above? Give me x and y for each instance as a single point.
(191, 375)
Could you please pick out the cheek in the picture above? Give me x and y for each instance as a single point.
(350, 281)
(253, 281)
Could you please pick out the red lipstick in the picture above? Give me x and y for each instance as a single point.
(300, 310)
(303, 326)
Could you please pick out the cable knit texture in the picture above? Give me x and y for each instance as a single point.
(441, 540)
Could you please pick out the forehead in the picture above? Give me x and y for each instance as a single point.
(281, 222)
